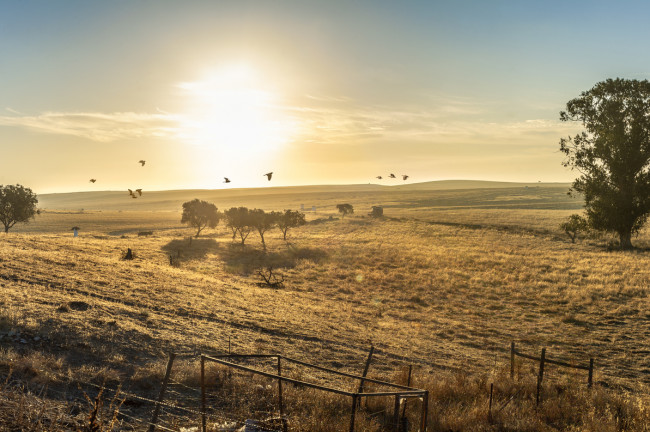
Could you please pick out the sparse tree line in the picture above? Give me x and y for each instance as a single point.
(240, 220)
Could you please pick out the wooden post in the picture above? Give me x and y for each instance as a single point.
(365, 370)
(512, 359)
(203, 404)
(408, 384)
(396, 413)
(353, 412)
(425, 411)
(161, 395)
(282, 419)
(540, 377)
(591, 372)
(490, 405)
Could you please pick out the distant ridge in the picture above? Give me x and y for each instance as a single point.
(171, 200)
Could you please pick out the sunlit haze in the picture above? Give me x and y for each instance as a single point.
(317, 92)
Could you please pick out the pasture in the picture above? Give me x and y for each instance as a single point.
(444, 282)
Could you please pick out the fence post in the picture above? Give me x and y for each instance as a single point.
(203, 404)
(591, 372)
(282, 419)
(512, 359)
(365, 370)
(161, 395)
(408, 384)
(541, 376)
(353, 412)
(425, 411)
(396, 413)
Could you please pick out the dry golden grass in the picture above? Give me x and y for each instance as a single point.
(444, 289)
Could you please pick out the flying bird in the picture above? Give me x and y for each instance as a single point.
(268, 175)
(404, 176)
(392, 175)
(93, 180)
(226, 180)
(139, 191)
(142, 162)
(379, 177)
(130, 192)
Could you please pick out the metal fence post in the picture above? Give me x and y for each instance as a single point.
(541, 376)
(161, 395)
(282, 419)
(512, 359)
(353, 412)
(204, 425)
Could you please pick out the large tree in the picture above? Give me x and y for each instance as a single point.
(612, 155)
(200, 214)
(17, 204)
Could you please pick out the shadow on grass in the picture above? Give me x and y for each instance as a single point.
(184, 250)
(245, 260)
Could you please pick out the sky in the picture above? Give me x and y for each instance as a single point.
(318, 92)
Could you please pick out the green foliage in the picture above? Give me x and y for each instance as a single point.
(239, 220)
(290, 219)
(17, 204)
(345, 209)
(612, 155)
(200, 214)
(573, 225)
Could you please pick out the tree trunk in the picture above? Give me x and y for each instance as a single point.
(625, 239)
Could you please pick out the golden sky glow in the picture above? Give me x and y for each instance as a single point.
(317, 92)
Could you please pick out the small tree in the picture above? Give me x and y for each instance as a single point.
(262, 222)
(200, 214)
(345, 209)
(575, 224)
(239, 221)
(290, 219)
(612, 155)
(17, 204)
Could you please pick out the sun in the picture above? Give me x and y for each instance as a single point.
(232, 111)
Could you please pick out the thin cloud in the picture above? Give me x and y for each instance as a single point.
(99, 127)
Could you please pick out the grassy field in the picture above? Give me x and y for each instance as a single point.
(444, 282)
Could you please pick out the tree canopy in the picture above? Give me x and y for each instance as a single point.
(612, 155)
(239, 220)
(17, 204)
(290, 219)
(200, 214)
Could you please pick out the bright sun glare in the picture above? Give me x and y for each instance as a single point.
(232, 111)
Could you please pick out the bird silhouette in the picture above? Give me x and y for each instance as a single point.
(379, 177)
(139, 191)
(226, 180)
(392, 175)
(93, 180)
(404, 176)
(142, 162)
(269, 175)
(130, 192)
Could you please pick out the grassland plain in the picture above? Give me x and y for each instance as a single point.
(444, 282)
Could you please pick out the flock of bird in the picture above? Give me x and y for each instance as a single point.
(227, 180)
(391, 175)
